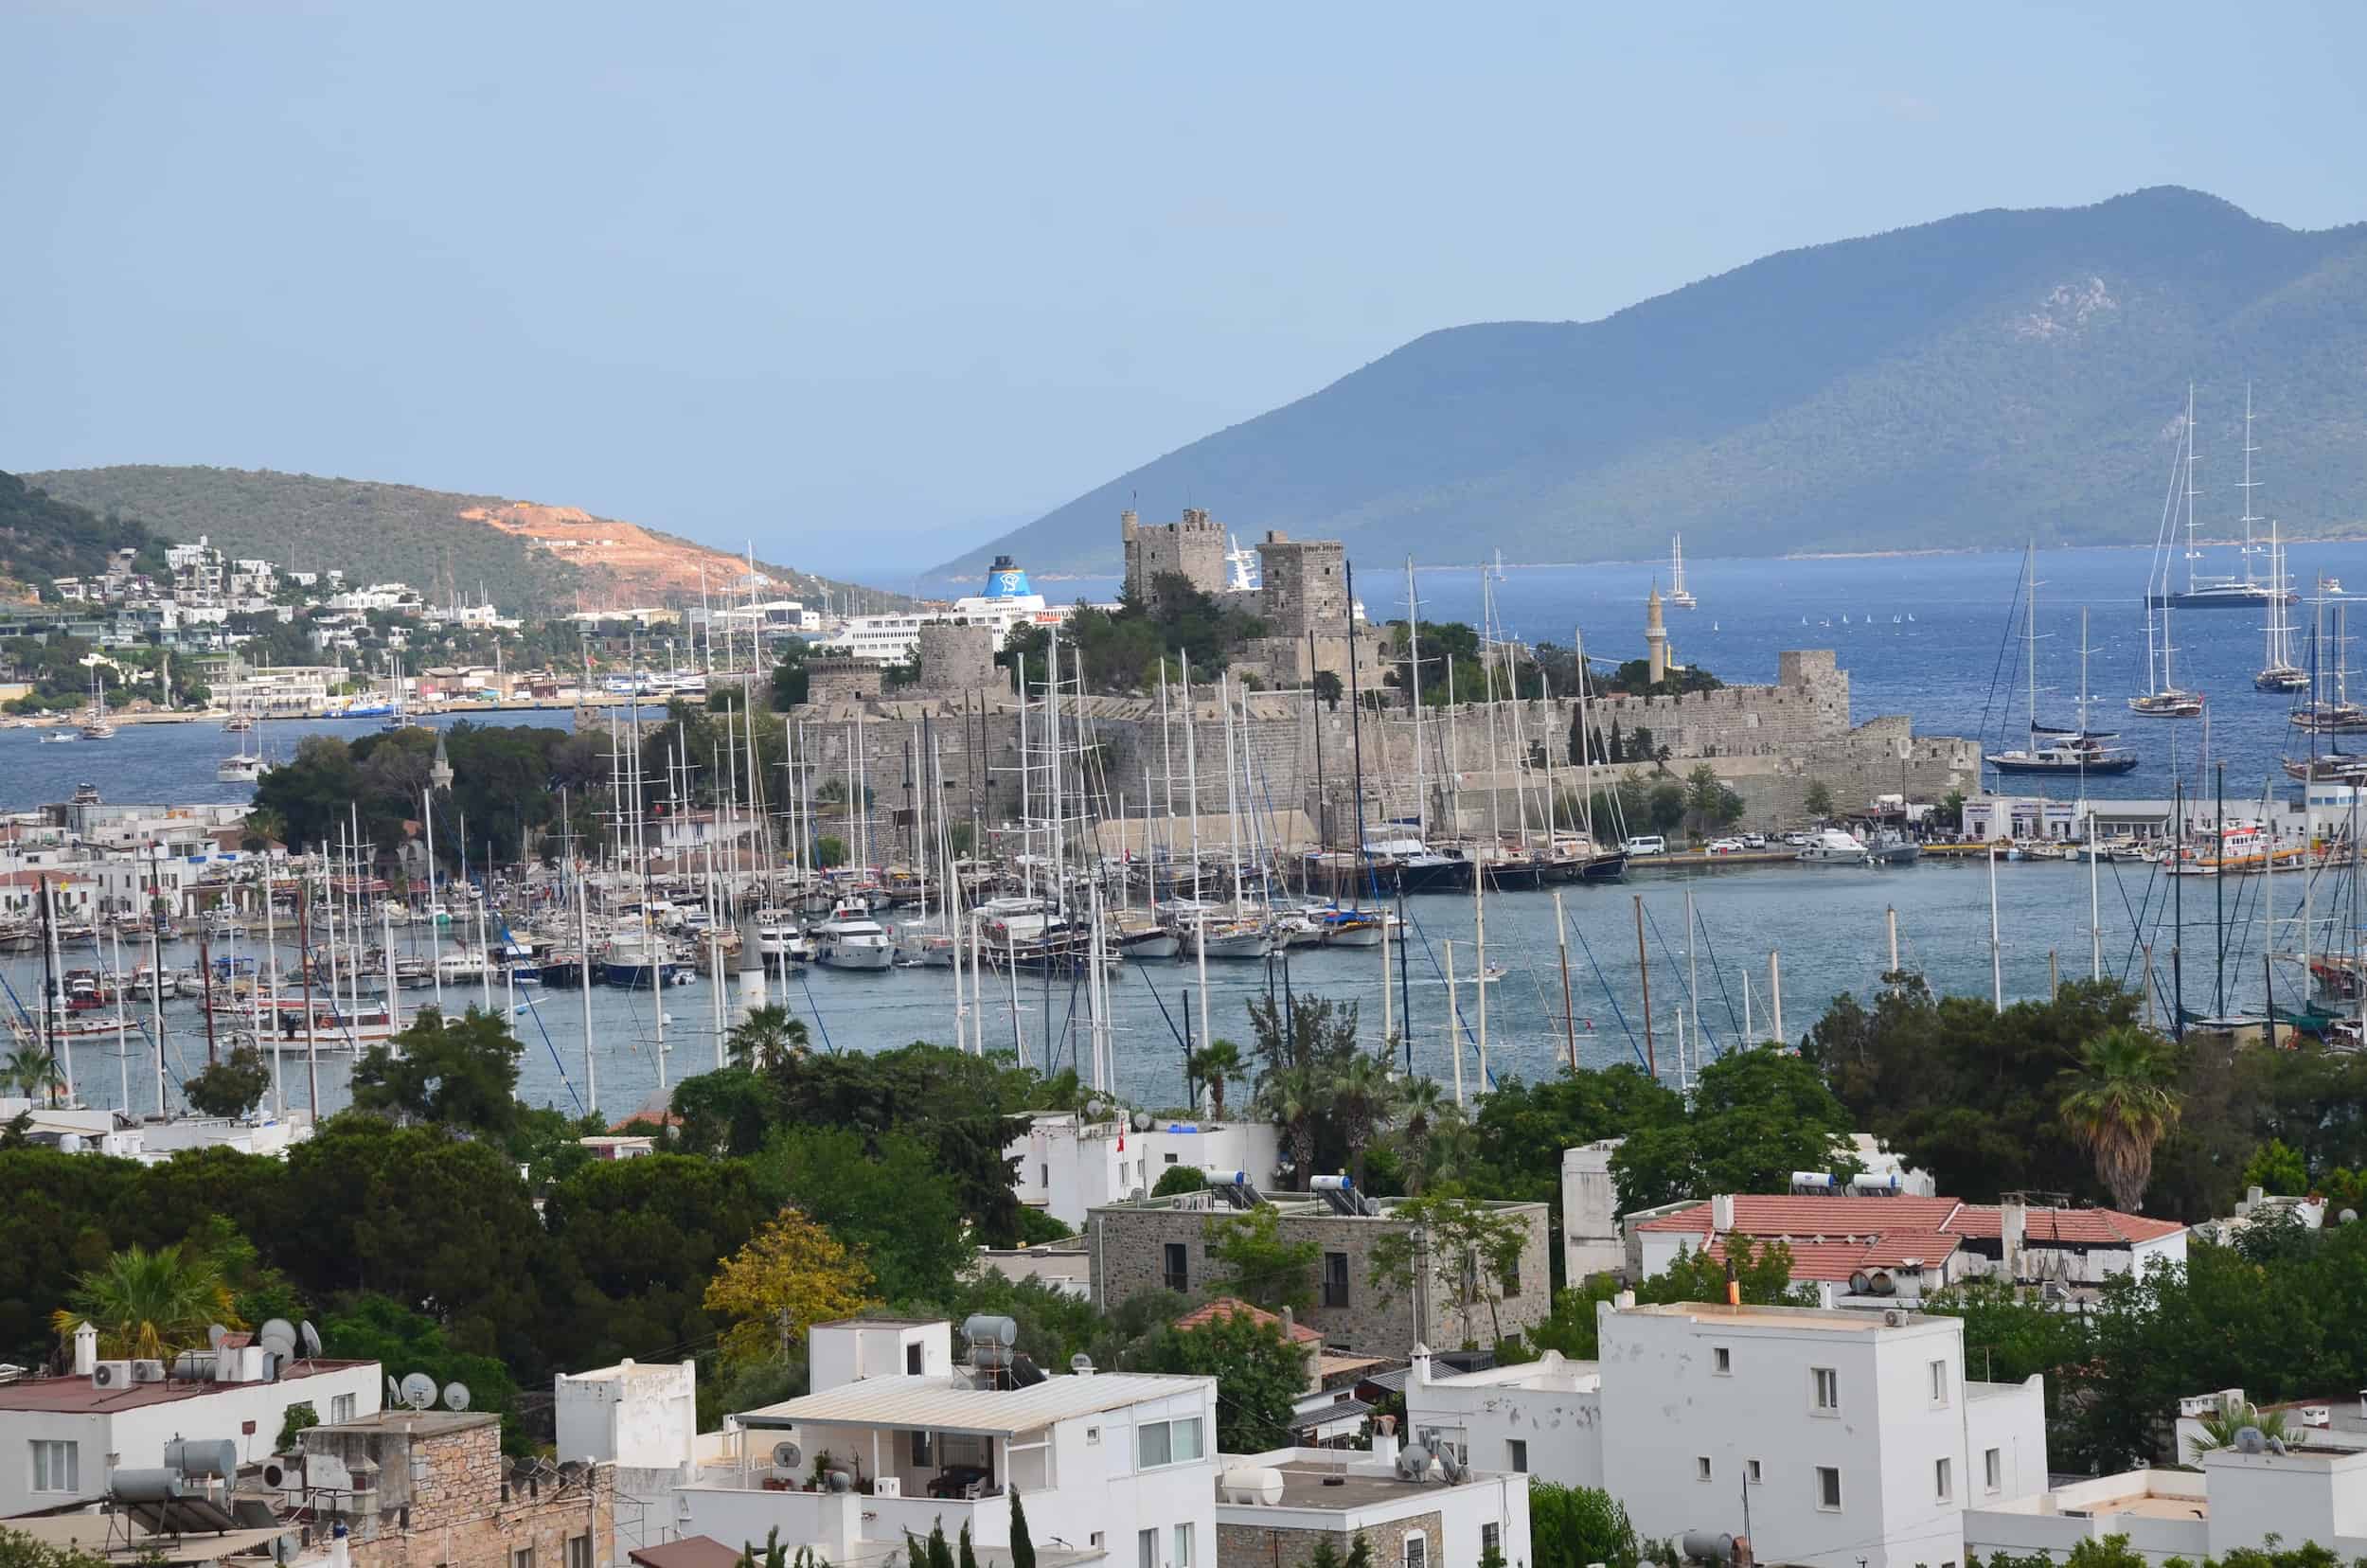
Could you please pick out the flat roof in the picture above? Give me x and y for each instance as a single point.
(76, 1397)
(1837, 1320)
(925, 1404)
(416, 1423)
(2148, 1505)
(114, 1536)
(1309, 1485)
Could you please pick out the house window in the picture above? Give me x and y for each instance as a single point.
(1179, 1276)
(922, 1458)
(1940, 1480)
(1751, 1471)
(57, 1466)
(1826, 1384)
(1722, 1361)
(1159, 1443)
(1992, 1469)
(341, 1408)
(911, 1359)
(522, 1558)
(1511, 1282)
(1093, 1436)
(1044, 1175)
(1335, 1280)
(1491, 1538)
(1171, 1159)
(1701, 1468)
(1183, 1547)
(1417, 1550)
(1516, 1455)
(1939, 1383)
(580, 1551)
(1146, 1548)
(1827, 1488)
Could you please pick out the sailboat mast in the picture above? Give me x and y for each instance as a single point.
(1414, 673)
(2249, 519)
(2191, 551)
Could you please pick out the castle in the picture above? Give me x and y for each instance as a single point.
(1302, 596)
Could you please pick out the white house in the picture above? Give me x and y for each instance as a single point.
(2240, 1500)
(643, 1419)
(1830, 1439)
(61, 1437)
(1274, 1506)
(1542, 1418)
(1068, 1166)
(1115, 1465)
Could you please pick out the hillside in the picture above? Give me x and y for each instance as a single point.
(1980, 380)
(524, 554)
(42, 538)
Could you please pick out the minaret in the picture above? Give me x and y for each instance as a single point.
(1655, 638)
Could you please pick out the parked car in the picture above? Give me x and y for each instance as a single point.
(1724, 847)
(1648, 844)
(1754, 841)
(1798, 841)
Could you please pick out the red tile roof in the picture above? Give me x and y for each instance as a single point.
(75, 1396)
(1837, 1260)
(1874, 1219)
(1225, 1307)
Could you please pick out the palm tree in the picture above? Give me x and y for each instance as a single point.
(32, 1072)
(266, 825)
(2220, 1427)
(147, 1305)
(1294, 1099)
(1362, 1093)
(1216, 1064)
(2121, 1104)
(1446, 1153)
(765, 1036)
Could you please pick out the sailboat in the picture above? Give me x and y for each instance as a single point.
(2165, 698)
(96, 726)
(245, 767)
(2280, 673)
(2218, 593)
(1678, 594)
(2329, 709)
(2078, 750)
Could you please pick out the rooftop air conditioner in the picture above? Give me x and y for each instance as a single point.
(111, 1375)
(148, 1371)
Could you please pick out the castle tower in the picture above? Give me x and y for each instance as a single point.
(1655, 638)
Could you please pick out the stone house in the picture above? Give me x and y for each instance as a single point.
(1163, 1243)
(430, 1490)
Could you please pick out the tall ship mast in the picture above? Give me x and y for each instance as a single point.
(2051, 748)
(1678, 594)
(2218, 593)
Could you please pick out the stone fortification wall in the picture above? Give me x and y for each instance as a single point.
(955, 658)
(1191, 548)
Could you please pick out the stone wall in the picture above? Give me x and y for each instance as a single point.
(446, 1500)
(829, 681)
(1259, 1546)
(956, 658)
(1129, 1246)
(1192, 548)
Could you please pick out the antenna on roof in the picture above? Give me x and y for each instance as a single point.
(311, 1338)
(418, 1390)
(455, 1395)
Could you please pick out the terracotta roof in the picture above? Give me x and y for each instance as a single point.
(1871, 1219)
(690, 1552)
(1227, 1306)
(1836, 1260)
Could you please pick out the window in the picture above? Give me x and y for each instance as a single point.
(1751, 1471)
(57, 1466)
(1516, 1455)
(341, 1408)
(1491, 1538)
(1179, 1274)
(1939, 1383)
(1940, 1480)
(1159, 1443)
(1093, 1436)
(912, 1360)
(1826, 1384)
(1044, 1175)
(1511, 1282)
(1722, 1361)
(923, 1457)
(1335, 1280)
(1993, 1469)
(1827, 1488)
(1171, 1159)
(1417, 1550)
(580, 1551)
(1146, 1548)
(522, 1558)
(1701, 1468)
(1183, 1546)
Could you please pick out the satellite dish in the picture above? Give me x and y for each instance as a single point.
(394, 1394)
(455, 1395)
(278, 1335)
(311, 1338)
(215, 1334)
(788, 1455)
(418, 1390)
(1142, 1121)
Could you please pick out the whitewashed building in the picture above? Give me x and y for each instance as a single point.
(1275, 1506)
(1068, 1165)
(1542, 1418)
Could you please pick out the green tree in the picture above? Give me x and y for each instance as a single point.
(1022, 1544)
(1758, 1114)
(1256, 1263)
(791, 1275)
(1762, 1273)
(1177, 1179)
(231, 1087)
(2220, 1428)
(967, 1558)
(1328, 689)
(2121, 1104)
(460, 1074)
(33, 1072)
(147, 1305)
(1572, 1526)
(1467, 1250)
(1259, 1375)
(724, 1111)
(2274, 1167)
(765, 1034)
(1216, 1064)
(1819, 801)
(296, 1420)
(885, 1198)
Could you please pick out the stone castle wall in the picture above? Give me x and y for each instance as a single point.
(1191, 548)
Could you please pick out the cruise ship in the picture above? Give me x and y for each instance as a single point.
(1007, 601)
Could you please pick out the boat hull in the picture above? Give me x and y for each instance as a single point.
(2094, 768)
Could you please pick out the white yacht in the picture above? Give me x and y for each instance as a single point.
(851, 939)
(1831, 847)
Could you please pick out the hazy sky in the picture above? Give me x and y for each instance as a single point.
(867, 283)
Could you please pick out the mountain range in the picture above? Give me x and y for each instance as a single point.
(526, 554)
(1983, 380)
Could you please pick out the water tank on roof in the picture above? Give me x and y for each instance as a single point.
(203, 1457)
(1818, 1181)
(1867, 1181)
(1257, 1485)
